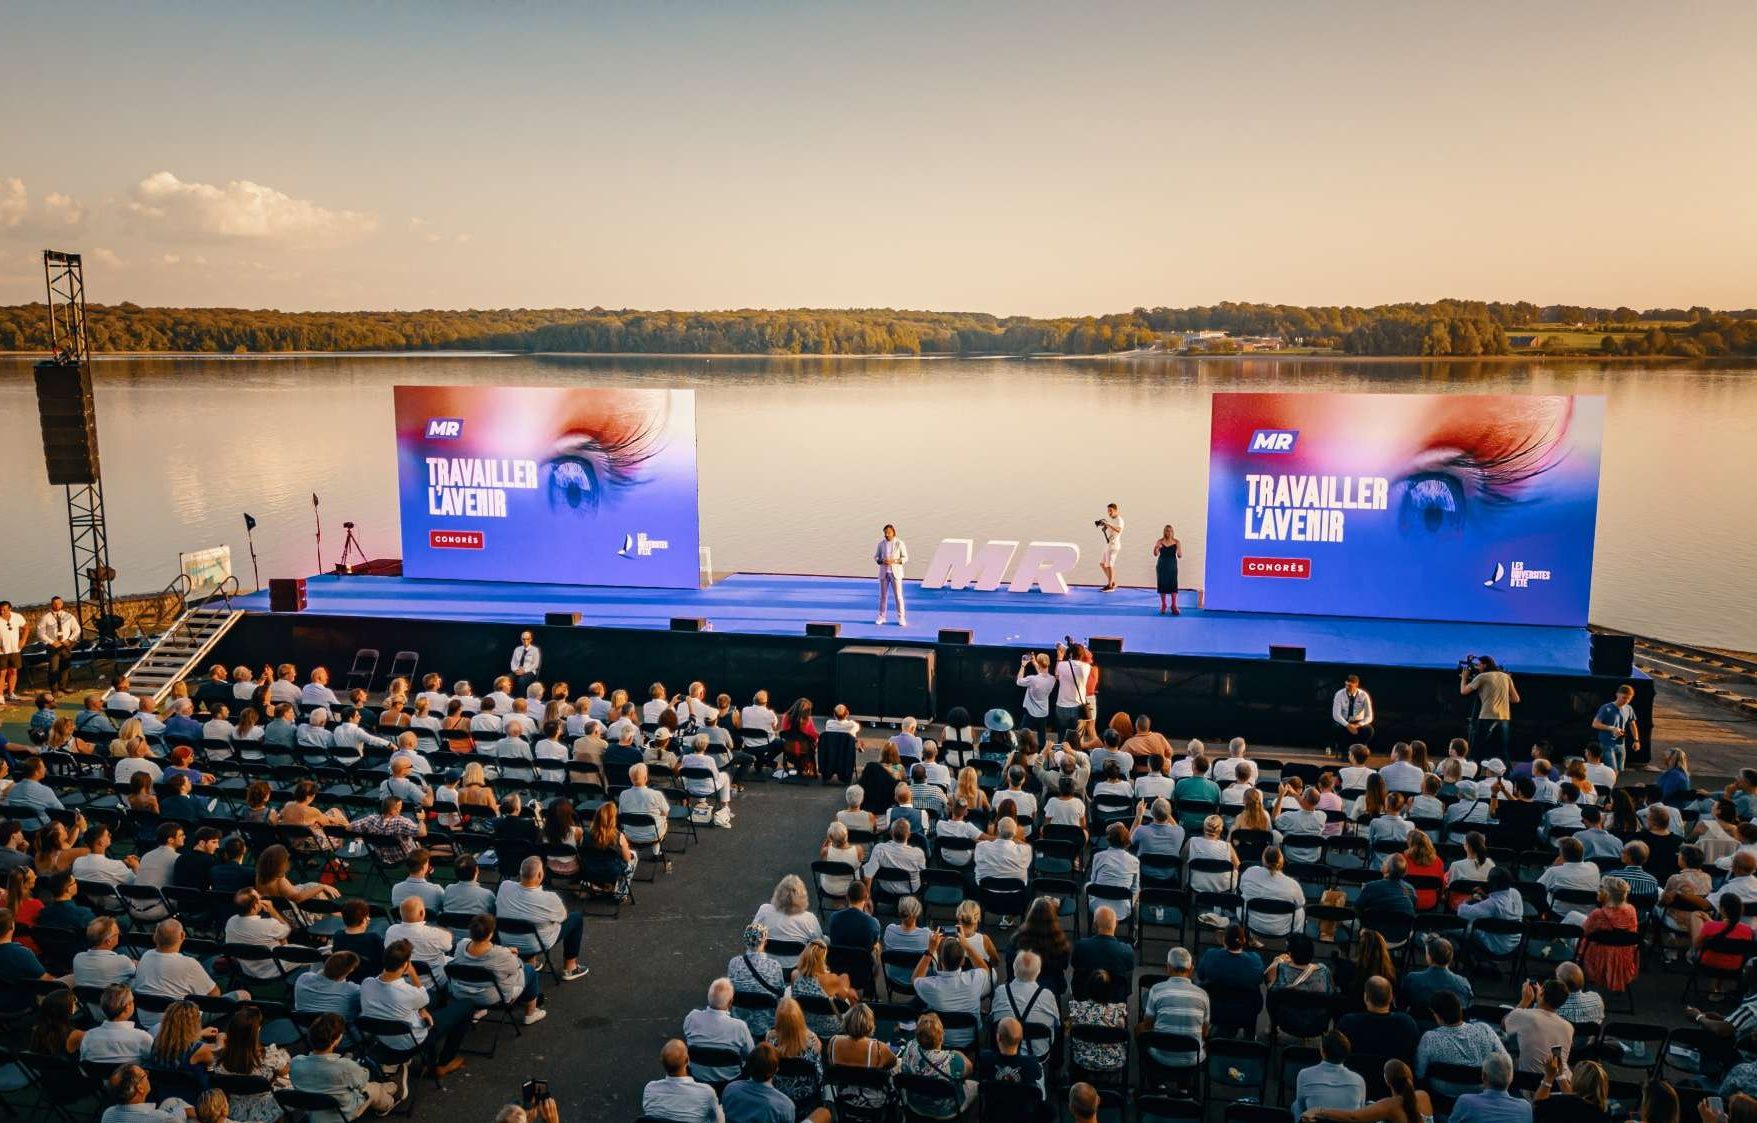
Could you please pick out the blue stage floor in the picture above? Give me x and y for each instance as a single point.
(768, 604)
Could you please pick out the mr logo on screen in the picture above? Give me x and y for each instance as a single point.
(445, 428)
(1273, 442)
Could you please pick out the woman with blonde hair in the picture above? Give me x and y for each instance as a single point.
(788, 916)
(606, 837)
(179, 1046)
(970, 789)
(793, 1039)
(423, 717)
(977, 946)
(1610, 968)
(1252, 817)
(855, 1047)
(474, 791)
(129, 730)
(812, 978)
(1581, 1095)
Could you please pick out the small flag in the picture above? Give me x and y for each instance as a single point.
(314, 499)
(249, 522)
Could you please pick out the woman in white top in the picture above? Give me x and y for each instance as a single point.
(976, 943)
(1067, 809)
(836, 848)
(1211, 845)
(1355, 773)
(1391, 825)
(789, 918)
(1114, 782)
(905, 935)
(1114, 865)
(1186, 764)
(1267, 882)
(1474, 867)
(852, 817)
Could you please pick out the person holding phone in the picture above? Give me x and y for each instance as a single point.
(1537, 1026)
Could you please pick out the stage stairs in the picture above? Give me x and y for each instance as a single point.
(182, 646)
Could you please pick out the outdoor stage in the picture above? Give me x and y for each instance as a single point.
(761, 604)
(1201, 674)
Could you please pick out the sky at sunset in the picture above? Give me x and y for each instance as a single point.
(1055, 158)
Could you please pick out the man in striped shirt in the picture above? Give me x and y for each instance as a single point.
(1178, 1006)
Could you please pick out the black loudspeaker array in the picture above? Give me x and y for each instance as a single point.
(1612, 655)
(70, 432)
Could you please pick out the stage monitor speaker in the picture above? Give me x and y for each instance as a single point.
(956, 635)
(561, 619)
(688, 624)
(286, 594)
(1105, 645)
(860, 679)
(1284, 653)
(70, 431)
(1612, 655)
(822, 630)
(908, 689)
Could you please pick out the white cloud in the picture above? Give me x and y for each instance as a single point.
(242, 209)
(13, 201)
(105, 256)
(64, 209)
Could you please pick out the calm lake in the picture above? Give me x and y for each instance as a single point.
(802, 460)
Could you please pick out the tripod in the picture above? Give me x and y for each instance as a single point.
(350, 544)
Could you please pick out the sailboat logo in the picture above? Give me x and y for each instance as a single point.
(1500, 572)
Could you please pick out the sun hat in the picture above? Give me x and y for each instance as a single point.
(998, 720)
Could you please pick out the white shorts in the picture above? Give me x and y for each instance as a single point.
(1111, 550)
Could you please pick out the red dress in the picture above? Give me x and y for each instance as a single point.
(1426, 899)
(1608, 968)
(1724, 960)
(801, 749)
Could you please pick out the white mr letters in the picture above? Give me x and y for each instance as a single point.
(957, 564)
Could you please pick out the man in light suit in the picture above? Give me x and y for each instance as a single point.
(889, 555)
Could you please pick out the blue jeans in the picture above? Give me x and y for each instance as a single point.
(1615, 752)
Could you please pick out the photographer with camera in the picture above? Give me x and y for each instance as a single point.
(1075, 677)
(1491, 728)
(1039, 684)
(1111, 526)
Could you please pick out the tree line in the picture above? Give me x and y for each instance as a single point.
(1446, 327)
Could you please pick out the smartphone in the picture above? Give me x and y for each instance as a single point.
(1556, 1051)
(1716, 1105)
(535, 1092)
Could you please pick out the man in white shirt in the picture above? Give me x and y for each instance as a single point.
(164, 970)
(137, 761)
(501, 695)
(317, 691)
(527, 660)
(284, 690)
(895, 852)
(12, 651)
(155, 864)
(1351, 716)
(1111, 526)
(353, 737)
(1400, 774)
(639, 799)
(908, 742)
(693, 707)
(949, 979)
(1602, 775)
(1004, 855)
(678, 1098)
(1571, 869)
(757, 718)
(1741, 879)
(937, 774)
(397, 994)
(465, 696)
(101, 965)
(485, 722)
(890, 555)
(1303, 817)
(716, 785)
(58, 630)
(432, 945)
(1225, 770)
(956, 824)
(218, 727)
(100, 867)
(117, 1040)
(840, 722)
(257, 924)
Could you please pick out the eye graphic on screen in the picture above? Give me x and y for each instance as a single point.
(599, 454)
(1475, 469)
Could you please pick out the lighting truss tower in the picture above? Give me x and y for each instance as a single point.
(71, 350)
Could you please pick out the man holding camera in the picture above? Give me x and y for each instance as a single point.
(1491, 730)
(1111, 526)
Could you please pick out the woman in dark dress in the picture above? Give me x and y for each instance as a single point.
(1166, 552)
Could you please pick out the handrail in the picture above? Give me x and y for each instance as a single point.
(223, 591)
(179, 587)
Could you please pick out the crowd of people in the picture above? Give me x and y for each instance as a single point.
(1357, 917)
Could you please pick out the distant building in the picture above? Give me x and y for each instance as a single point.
(1522, 341)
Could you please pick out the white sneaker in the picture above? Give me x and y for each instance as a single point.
(534, 1016)
(902, 622)
(723, 819)
(880, 620)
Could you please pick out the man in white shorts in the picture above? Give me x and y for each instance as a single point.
(1112, 527)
